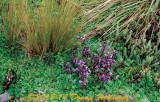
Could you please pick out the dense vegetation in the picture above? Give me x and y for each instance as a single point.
(60, 49)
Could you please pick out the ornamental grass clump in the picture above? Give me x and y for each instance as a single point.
(52, 26)
(11, 19)
(45, 25)
(96, 64)
(133, 26)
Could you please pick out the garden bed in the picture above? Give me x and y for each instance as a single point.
(80, 51)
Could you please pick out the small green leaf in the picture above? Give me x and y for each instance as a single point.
(100, 70)
(127, 63)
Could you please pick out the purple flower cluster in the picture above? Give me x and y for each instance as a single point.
(81, 38)
(85, 51)
(77, 37)
(97, 63)
(82, 69)
(68, 67)
(103, 63)
(9, 77)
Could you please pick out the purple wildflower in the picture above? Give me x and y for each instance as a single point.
(85, 51)
(83, 68)
(115, 52)
(75, 48)
(83, 42)
(116, 76)
(9, 77)
(104, 76)
(108, 48)
(75, 60)
(107, 41)
(83, 37)
(100, 63)
(103, 48)
(77, 37)
(109, 73)
(97, 69)
(83, 82)
(68, 67)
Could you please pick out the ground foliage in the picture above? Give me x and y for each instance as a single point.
(113, 48)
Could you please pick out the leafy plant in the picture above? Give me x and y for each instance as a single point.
(10, 74)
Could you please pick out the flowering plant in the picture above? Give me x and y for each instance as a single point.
(10, 74)
(98, 63)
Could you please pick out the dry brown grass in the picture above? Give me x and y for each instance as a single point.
(49, 27)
